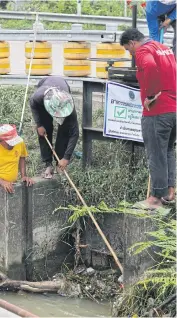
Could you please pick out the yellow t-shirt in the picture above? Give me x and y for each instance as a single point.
(9, 161)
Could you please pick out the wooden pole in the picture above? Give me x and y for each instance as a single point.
(149, 187)
(88, 210)
(16, 310)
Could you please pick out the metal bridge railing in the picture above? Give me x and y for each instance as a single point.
(69, 18)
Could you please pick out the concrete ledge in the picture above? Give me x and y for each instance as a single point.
(135, 230)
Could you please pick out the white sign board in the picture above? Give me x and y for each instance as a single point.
(123, 112)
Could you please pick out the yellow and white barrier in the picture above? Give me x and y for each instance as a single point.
(75, 59)
(4, 65)
(77, 50)
(42, 50)
(4, 57)
(77, 67)
(42, 63)
(109, 51)
(39, 66)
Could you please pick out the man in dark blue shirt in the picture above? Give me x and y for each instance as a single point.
(155, 12)
(46, 106)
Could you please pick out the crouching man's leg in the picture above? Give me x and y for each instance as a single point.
(46, 152)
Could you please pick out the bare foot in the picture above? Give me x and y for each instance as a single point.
(150, 203)
(153, 202)
(48, 173)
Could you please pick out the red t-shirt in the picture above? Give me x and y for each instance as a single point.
(156, 72)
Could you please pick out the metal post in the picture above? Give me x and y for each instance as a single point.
(134, 16)
(87, 122)
(125, 8)
(134, 23)
(90, 133)
(132, 160)
(79, 9)
(37, 25)
(76, 27)
(16, 5)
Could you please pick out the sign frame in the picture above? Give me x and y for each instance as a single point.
(105, 134)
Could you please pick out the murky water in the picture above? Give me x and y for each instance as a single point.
(56, 306)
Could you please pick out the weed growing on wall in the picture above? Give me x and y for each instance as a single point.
(154, 294)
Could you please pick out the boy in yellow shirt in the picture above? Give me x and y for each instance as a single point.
(12, 158)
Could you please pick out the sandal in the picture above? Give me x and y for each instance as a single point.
(167, 201)
(143, 205)
(147, 206)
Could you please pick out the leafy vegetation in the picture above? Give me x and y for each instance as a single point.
(154, 295)
(89, 7)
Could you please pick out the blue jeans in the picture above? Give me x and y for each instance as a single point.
(159, 134)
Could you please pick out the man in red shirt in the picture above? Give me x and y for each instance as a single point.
(156, 74)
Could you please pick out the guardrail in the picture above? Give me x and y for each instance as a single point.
(16, 79)
(69, 18)
(66, 35)
(73, 18)
(58, 35)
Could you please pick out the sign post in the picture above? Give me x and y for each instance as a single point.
(123, 112)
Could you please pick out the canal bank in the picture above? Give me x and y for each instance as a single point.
(37, 241)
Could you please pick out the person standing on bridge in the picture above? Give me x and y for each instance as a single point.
(52, 100)
(156, 74)
(161, 14)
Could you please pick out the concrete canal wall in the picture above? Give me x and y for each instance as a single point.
(34, 245)
(122, 231)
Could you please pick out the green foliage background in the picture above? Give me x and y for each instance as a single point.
(89, 7)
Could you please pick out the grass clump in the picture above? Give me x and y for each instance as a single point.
(154, 295)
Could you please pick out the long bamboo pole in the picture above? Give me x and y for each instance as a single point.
(16, 310)
(89, 212)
